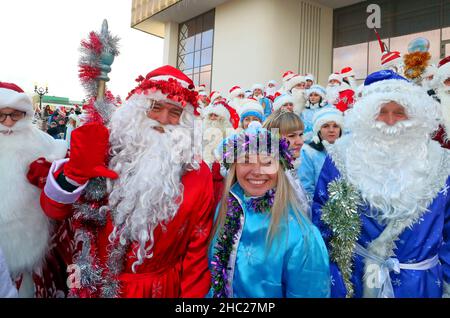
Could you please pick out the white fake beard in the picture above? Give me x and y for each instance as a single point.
(444, 96)
(332, 93)
(380, 163)
(24, 228)
(237, 102)
(299, 97)
(150, 165)
(270, 91)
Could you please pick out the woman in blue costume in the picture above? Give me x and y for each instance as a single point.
(263, 245)
(328, 125)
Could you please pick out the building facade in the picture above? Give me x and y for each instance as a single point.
(222, 43)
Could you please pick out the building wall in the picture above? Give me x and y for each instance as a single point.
(258, 40)
(170, 43)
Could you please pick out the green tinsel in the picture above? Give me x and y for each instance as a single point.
(340, 213)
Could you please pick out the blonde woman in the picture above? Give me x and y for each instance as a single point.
(263, 245)
(289, 126)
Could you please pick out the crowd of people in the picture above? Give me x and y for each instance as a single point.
(292, 191)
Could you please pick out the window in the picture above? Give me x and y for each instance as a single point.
(195, 48)
(356, 46)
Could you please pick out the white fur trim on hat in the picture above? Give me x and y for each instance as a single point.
(327, 115)
(214, 95)
(250, 105)
(309, 77)
(12, 99)
(297, 79)
(347, 72)
(281, 100)
(443, 72)
(236, 92)
(318, 90)
(335, 76)
(217, 109)
(257, 86)
(417, 103)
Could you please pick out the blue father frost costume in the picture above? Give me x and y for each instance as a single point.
(296, 265)
(407, 257)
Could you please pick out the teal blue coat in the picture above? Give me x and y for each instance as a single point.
(296, 264)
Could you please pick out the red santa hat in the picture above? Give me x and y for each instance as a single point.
(224, 110)
(13, 96)
(201, 88)
(167, 84)
(347, 72)
(235, 91)
(287, 76)
(335, 76)
(443, 71)
(297, 79)
(214, 95)
(388, 58)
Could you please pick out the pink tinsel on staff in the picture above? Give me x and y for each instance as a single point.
(94, 43)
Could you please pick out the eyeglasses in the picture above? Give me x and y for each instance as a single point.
(15, 116)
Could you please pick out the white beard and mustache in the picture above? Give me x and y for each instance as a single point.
(379, 162)
(214, 131)
(443, 94)
(237, 102)
(150, 165)
(332, 95)
(270, 91)
(24, 228)
(299, 97)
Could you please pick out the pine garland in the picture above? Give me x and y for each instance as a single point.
(340, 213)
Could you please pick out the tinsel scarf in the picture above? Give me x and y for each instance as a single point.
(340, 213)
(227, 239)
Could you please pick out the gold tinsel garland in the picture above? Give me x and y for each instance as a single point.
(415, 64)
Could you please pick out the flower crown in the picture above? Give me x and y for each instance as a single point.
(170, 87)
(255, 140)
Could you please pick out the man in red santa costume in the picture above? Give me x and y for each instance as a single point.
(159, 200)
(339, 93)
(236, 97)
(442, 81)
(25, 231)
(220, 121)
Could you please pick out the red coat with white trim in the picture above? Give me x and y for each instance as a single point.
(179, 265)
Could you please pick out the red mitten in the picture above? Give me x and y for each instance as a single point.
(88, 154)
(38, 171)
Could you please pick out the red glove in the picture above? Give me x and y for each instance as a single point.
(88, 154)
(37, 174)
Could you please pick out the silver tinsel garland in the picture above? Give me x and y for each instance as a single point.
(340, 213)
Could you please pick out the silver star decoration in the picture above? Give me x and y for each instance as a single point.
(249, 253)
(332, 281)
(156, 289)
(444, 190)
(396, 282)
(438, 283)
(182, 229)
(200, 230)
